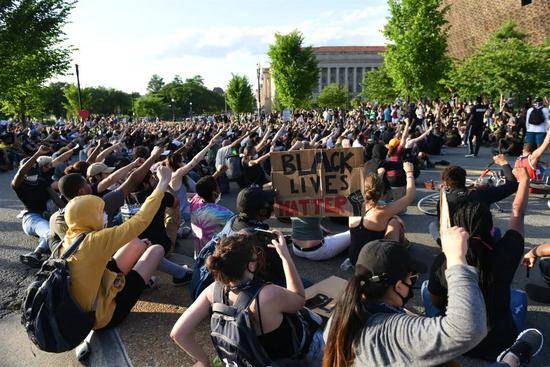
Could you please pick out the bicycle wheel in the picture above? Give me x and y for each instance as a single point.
(428, 204)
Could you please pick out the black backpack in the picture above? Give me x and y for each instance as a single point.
(234, 337)
(52, 318)
(536, 117)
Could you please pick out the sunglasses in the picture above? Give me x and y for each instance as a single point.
(414, 278)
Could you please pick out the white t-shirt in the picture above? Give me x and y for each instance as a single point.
(542, 128)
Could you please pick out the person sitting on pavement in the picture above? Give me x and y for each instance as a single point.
(179, 183)
(34, 189)
(454, 181)
(534, 291)
(371, 327)
(234, 264)
(496, 262)
(309, 242)
(380, 221)
(208, 217)
(111, 284)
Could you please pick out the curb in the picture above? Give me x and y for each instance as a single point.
(107, 349)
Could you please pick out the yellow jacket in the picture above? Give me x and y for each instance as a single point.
(87, 266)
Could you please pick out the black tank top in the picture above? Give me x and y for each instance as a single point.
(360, 236)
(278, 343)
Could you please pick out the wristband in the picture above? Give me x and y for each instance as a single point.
(410, 175)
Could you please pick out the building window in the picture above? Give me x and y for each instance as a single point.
(351, 79)
(526, 2)
(332, 75)
(323, 77)
(342, 76)
(359, 80)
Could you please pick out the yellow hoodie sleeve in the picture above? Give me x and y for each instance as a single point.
(112, 239)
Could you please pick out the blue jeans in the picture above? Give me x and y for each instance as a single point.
(36, 225)
(534, 139)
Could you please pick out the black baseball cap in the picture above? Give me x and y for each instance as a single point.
(252, 199)
(388, 261)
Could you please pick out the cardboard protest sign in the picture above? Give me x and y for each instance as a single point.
(328, 290)
(318, 182)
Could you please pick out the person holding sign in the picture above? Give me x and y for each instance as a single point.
(496, 262)
(380, 221)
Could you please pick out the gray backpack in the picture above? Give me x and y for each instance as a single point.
(234, 336)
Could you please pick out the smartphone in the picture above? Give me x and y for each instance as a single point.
(267, 233)
(319, 300)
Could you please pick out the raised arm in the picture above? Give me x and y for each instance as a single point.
(101, 157)
(23, 170)
(63, 157)
(411, 142)
(401, 204)
(117, 175)
(405, 134)
(520, 202)
(263, 142)
(93, 155)
(540, 150)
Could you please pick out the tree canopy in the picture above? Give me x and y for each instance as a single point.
(31, 50)
(240, 97)
(416, 57)
(378, 86)
(505, 64)
(333, 96)
(294, 69)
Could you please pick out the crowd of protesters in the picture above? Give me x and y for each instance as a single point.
(134, 187)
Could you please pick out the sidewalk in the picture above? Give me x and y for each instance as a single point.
(17, 350)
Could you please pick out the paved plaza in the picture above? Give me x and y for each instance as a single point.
(145, 333)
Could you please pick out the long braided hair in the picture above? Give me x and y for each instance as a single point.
(476, 218)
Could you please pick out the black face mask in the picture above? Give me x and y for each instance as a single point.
(409, 295)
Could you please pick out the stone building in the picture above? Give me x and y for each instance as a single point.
(343, 65)
(472, 22)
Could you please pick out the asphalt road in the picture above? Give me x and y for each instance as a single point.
(14, 277)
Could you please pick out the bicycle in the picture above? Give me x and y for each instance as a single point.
(488, 178)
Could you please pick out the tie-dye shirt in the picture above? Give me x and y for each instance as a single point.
(207, 219)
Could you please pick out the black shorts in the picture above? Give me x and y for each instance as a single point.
(128, 296)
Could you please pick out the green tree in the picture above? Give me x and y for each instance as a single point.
(240, 97)
(155, 84)
(54, 100)
(150, 105)
(32, 50)
(505, 64)
(188, 94)
(333, 96)
(294, 68)
(378, 86)
(98, 100)
(416, 57)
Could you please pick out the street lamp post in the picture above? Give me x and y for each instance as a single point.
(258, 70)
(173, 110)
(191, 110)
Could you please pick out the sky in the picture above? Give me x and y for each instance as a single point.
(122, 43)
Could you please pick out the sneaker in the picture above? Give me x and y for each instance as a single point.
(527, 345)
(178, 282)
(469, 156)
(32, 259)
(152, 283)
(184, 231)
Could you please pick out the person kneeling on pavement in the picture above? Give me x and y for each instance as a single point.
(111, 284)
(276, 328)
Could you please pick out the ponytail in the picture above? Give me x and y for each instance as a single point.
(349, 318)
